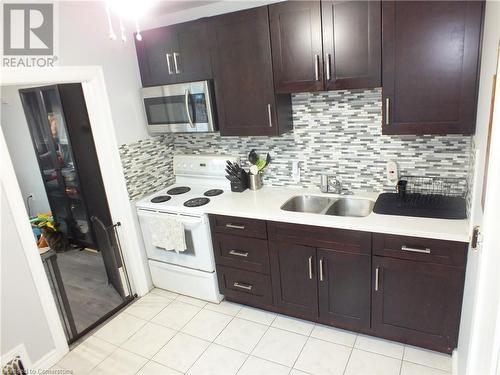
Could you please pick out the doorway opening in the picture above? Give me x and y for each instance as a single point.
(48, 134)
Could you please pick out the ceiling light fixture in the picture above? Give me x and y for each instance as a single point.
(126, 10)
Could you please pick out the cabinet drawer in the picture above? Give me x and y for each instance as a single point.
(420, 249)
(238, 226)
(349, 241)
(244, 286)
(245, 253)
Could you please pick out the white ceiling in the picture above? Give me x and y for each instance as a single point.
(171, 6)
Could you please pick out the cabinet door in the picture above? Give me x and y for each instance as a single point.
(430, 66)
(193, 53)
(418, 303)
(155, 56)
(294, 279)
(296, 45)
(241, 55)
(352, 44)
(344, 289)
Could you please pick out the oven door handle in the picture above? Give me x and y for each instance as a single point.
(187, 220)
(191, 221)
(186, 103)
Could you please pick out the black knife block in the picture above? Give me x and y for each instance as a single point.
(241, 184)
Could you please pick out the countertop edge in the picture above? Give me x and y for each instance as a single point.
(362, 227)
(265, 204)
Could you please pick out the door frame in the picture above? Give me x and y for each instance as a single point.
(484, 343)
(96, 98)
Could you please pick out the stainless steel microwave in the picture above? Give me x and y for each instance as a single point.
(179, 108)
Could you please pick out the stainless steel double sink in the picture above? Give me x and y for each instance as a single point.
(353, 207)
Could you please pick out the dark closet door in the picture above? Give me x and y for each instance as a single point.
(87, 164)
(416, 301)
(352, 44)
(241, 55)
(344, 288)
(294, 279)
(430, 66)
(297, 46)
(193, 53)
(50, 162)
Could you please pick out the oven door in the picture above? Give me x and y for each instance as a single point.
(198, 255)
(179, 108)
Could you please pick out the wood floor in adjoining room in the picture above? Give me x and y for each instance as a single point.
(167, 333)
(89, 294)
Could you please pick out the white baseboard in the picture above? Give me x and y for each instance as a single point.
(454, 362)
(48, 360)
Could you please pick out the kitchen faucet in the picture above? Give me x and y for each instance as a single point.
(331, 184)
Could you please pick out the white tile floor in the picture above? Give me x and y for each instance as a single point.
(166, 333)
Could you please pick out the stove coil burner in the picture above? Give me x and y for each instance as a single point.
(213, 192)
(196, 202)
(160, 199)
(178, 190)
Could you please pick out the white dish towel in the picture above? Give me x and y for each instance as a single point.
(167, 233)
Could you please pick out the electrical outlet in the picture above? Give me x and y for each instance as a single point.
(392, 171)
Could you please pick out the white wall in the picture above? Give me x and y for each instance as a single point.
(22, 317)
(22, 152)
(83, 40)
(488, 67)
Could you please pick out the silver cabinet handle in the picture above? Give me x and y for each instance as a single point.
(316, 67)
(328, 67)
(376, 279)
(234, 226)
(167, 56)
(238, 253)
(310, 267)
(243, 286)
(416, 250)
(387, 111)
(269, 115)
(175, 63)
(186, 103)
(321, 269)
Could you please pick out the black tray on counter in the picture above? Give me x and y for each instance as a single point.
(419, 205)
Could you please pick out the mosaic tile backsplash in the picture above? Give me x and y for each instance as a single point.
(147, 165)
(335, 132)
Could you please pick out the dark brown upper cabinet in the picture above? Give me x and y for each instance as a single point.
(352, 44)
(430, 66)
(174, 54)
(243, 75)
(297, 46)
(325, 45)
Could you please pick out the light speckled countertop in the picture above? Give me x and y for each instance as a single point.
(265, 204)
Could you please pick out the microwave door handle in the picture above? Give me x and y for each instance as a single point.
(186, 102)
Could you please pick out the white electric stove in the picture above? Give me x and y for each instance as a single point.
(199, 181)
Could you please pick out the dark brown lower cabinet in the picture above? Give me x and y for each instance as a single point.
(417, 302)
(294, 279)
(246, 287)
(344, 289)
(401, 288)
